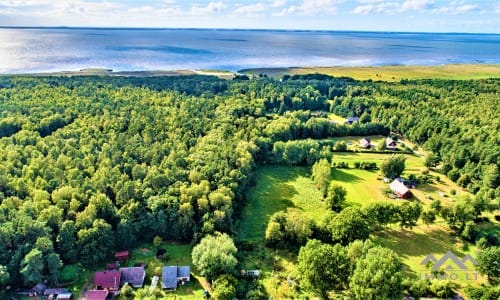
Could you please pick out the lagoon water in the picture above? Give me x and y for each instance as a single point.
(59, 49)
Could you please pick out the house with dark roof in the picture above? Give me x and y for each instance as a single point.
(400, 189)
(365, 143)
(97, 295)
(172, 275)
(351, 120)
(107, 280)
(183, 273)
(134, 276)
(390, 143)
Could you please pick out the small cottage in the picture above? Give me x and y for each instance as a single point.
(134, 276)
(390, 143)
(365, 143)
(400, 189)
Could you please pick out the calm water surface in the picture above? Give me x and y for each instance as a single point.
(37, 50)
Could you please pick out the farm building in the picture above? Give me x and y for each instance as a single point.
(107, 280)
(365, 143)
(172, 275)
(351, 120)
(134, 276)
(390, 143)
(97, 295)
(400, 189)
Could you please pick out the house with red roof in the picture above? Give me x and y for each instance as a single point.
(97, 295)
(107, 280)
(400, 189)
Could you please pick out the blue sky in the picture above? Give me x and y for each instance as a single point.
(376, 15)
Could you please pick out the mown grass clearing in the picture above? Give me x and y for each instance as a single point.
(277, 188)
(437, 239)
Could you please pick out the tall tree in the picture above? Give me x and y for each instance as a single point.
(393, 166)
(215, 255)
(335, 196)
(489, 263)
(32, 267)
(349, 225)
(377, 275)
(323, 267)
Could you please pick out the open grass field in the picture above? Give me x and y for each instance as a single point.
(392, 73)
(277, 188)
(280, 187)
(437, 239)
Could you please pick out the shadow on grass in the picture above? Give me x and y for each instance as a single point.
(407, 243)
(341, 175)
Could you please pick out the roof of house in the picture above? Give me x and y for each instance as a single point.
(169, 277)
(364, 142)
(183, 272)
(134, 275)
(390, 142)
(352, 119)
(121, 255)
(97, 295)
(398, 187)
(107, 279)
(64, 296)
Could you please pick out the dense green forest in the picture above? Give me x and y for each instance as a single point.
(89, 165)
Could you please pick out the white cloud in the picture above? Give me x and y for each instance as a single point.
(211, 8)
(456, 8)
(416, 5)
(278, 3)
(392, 7)
(313, 7)
(380, 8)
(251, 9)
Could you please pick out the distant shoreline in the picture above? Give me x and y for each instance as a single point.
(379, 73)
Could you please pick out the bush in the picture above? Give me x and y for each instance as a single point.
(69, 273)
(443, 288)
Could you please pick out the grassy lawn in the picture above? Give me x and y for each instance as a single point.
(363, 187)
(278, 187)
(393, 73)
(415, 244)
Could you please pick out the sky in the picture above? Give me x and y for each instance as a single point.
(365, 15)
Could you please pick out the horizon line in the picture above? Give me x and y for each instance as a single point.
(237, 29)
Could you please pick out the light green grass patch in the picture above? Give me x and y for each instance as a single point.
(277, 188)
(414, 245)
(363, 187)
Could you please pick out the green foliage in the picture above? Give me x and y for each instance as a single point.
(288, 230)
(489, 263)
(393, 166)
(32, 267)
(96, 243)
(349, 225)
(215, 255)
(443, 288)
(335, 196)
(4, 276)
(321, 173)
(377, 275)
(323, 267)
(224, 287)
(409, 213)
